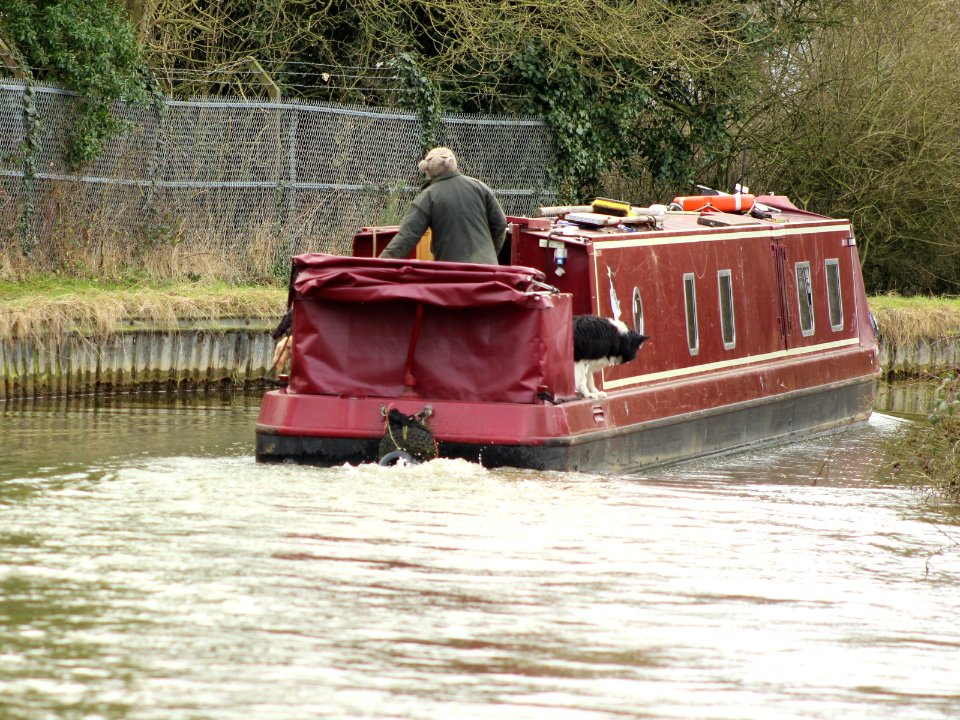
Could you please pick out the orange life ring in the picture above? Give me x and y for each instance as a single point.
(720, 203)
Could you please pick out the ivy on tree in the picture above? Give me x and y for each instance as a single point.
(87, 46)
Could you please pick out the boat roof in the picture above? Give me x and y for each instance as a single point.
(689, 223)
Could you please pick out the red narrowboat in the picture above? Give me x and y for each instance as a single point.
(758, 328)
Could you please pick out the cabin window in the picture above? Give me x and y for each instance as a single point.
(727, 328)
(834, 300)
(805, 298)
(637, 311)
(690, 302)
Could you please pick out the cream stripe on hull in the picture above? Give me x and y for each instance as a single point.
(727, 364)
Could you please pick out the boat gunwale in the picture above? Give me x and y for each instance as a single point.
(586, 435)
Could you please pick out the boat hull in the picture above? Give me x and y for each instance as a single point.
(538, 442)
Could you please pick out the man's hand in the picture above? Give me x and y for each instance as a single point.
(281, 354)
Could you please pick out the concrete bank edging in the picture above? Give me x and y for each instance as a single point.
(923, 357)
(232, 352)
(238, 352)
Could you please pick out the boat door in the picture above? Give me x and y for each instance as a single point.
(815, 271)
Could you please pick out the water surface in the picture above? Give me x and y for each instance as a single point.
(151, 569)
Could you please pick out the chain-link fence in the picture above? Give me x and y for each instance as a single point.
(228, 173)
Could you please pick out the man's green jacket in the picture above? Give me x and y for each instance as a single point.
(468, 223)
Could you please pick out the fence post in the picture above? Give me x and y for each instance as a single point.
(31, 129)
(292, 179)
(158, 106)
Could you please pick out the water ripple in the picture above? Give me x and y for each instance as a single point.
(171, 576)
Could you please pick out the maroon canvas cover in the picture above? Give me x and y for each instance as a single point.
(487, 333)
(339, 278)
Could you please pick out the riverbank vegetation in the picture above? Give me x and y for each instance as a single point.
(48, 307)
(905, 321)
(927, 453)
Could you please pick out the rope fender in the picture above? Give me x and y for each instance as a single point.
(409, 434)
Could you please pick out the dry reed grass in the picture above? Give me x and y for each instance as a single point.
(82, 232)
(47, 311)
(908, 320)
(94, 261)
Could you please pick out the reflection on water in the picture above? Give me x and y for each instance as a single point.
(908, 398)
(151, 569)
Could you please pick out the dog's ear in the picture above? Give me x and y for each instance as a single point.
(644, 338)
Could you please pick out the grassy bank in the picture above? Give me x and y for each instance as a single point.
(52, 306)
(904, 320)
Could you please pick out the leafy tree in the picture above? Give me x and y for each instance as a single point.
(87, 46)
(861, 122)
(651, 89)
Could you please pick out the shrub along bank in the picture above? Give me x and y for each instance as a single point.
(927, 454)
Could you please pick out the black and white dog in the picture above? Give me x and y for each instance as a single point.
(598, 343)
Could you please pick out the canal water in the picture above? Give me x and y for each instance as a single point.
(150, 569)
